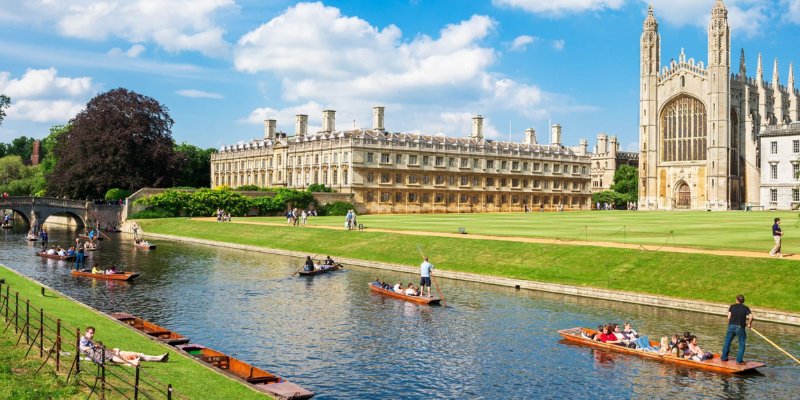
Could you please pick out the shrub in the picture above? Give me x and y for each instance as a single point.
(151, 213)
(337, 208)
(172, 202)
(318, 187)
(117, 194)
(206, 202)
(248, 188)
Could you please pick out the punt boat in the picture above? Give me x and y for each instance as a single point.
(122, 276)
(163, 334)
(260, 379)
(32, 238)
(97, 237)
(714, 364)
(55, 256)
(319, 271)
(144, 244)
(422, 299)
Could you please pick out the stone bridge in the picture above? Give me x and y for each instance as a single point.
(36, 210)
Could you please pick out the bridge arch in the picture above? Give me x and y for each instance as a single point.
(20, 212)
(79, 222)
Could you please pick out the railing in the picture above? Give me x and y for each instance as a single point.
(55, 342)
(42, 201)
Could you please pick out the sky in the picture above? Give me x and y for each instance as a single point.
(223, 66)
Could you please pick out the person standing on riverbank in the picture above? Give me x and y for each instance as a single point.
(777, 235)
(739, 317)
(425, 276)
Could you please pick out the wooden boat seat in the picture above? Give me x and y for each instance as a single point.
(262, 379)
(164, 333)
(221, 362)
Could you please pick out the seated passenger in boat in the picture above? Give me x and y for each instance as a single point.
(625, 341)
(329, 261)
(698, 354)
(398, 287)
(62, 252)
(112, 270)
(665, 348)
(386, 286)
(628, 332)
(377, 282)
(411, 291)
(595, 336)
(96, 269)
(674, 341)
(609, 337)
(309, 266)
(319, 265)
(679, 350)
(51, 251)
(71, 252)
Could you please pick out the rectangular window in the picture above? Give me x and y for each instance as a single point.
(773, 171)
(489, 199)
(489, 181)
(547, 184)
(412, 179)
(515, 165)
(796, 195)
(524, 183)
(412, 160)
(398, 159)
(426, 160)
(574, 169)
(384, 158)
(451, 180)
(773, 195)
(463, 198)
(426, 179)
(503, 164)
(546, 168)
(439, 180)
(525, 166)
(384, 197)
(451, 162)
(796, 146)
(556, 168)
(503, 182)
(464, 162)
(370, 177)
(535, 167)
(476, 163)
(439, 161)
(556, 184)
(773, 146)
(476, 181)
(451, 198)
(583, 170)
(515, 183)
(489, 163)
(385, 178)
(412, 197)
(464, 181)
(398, 179)
(398, 197)
(795, 170)
(370, 157)
(474, 199)
(438, 198)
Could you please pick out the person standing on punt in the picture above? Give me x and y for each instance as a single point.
(425, 276)
(739, 317)
(777, 235)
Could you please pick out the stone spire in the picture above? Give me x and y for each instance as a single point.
(775, 77)
(719, 10)
(650, 23)
(742, 67)
(760, 71)
(791, 78)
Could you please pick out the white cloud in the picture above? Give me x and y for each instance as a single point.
(40, 95)
(175, 25)
(559, 7)
(199, 94)
(559, 44)
(748, 17)
(521, 43)
(793, 10)
(132, 52)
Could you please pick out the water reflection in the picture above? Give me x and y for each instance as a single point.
(334, 336)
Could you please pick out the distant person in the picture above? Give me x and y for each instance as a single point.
(309, 266)
(425, 276)
(739, 317)
(777, 236)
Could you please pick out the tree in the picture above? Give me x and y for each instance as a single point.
(626, 182)
(16, 178)
(195, 165)
(5, 101)
(122, 139)
(48, 158)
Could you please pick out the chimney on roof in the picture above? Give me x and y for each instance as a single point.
(328, 121)
(555, 135)
(477, 128)
(35, 156)
(301, 125)
(377, 118)
(269, 128)
(583, 148)
(530, 136)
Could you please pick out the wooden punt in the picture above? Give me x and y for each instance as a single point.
(260, 379)
(144, 245)
(32, 238)
(430, 300)
(163, 334)
(714, 364)
(124, 276)
(55, 256)
(90, 247)
(332, 268)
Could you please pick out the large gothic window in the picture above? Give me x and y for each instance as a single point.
(683, 130)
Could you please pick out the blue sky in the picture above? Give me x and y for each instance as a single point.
(223, 66)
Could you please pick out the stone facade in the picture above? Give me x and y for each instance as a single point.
(413, 173)
(606, 159)
(780, 166)
(699, 124)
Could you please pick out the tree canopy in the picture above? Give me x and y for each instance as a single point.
(121, 140)
(626, 182)
(5, 101)
(195, 165)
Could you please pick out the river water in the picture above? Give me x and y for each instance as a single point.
(331, 335)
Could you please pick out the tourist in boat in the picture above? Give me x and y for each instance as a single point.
(61, 252)
(425, 276)
(329, 261)
(609, 337)
(398, 287)
(698, 354)
(411, 291)
(679, 350)
(377, 282)
(320, 266)
(309, 266)
(71, 252)
(96, 269)
(625, 341)
(665, 348)
(674, 341)
(52, 251)
(628, 332)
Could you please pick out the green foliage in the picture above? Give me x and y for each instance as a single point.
(16, 178)
(117, 194)
(171, 202)
(267, 205)
(626, 182)
(337, 208)
(611, 197)
(318, 187)
(151, 213)
(194, 165)
(5, 101)
(205, 202)
(248, 188)
(291, 198)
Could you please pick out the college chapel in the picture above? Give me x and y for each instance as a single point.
(699, 124)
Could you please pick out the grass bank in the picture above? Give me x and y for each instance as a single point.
(189, 378)
(734, 230)
(768, 283)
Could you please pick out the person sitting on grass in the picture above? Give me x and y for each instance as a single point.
(98, 353)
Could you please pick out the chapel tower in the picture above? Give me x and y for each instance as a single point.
(722, 142)
(650, 54)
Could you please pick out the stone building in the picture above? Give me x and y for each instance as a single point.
(780, 167)
(606, 159)
(700, 123)
(390, 172)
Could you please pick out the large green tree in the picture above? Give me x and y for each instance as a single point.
(16, 178)
(195, 165)
(5, 101)
(626, 182)
(122, 139)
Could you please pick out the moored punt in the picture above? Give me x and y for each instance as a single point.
(422, 299)
(260, 379)
(714, 364)
(318, 271)
(55, 256)
(165, 335)
(122, 276)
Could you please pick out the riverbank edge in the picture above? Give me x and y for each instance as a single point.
(143, 336)
(780, 317)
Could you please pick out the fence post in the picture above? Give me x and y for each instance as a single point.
(77, 351)
(7, 305)
(169, 392)
(41, 332)
(16, 312)
(136, 384)
(103, 373)
(27, 321)
(58, 344)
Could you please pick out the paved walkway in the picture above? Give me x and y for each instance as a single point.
(665, 248)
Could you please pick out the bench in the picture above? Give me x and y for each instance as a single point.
(462, 230)
(361, 227)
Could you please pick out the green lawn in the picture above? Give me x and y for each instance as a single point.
(735, 230)
(770, 283)
(189, 378)
(19, 379)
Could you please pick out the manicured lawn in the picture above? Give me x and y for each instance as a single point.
(735, 230)
(19, 379)
(189, 378)
(770, 283)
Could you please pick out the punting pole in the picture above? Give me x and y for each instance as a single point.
(776, 346)
(444, 302)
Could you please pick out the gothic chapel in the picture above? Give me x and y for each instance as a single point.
(699, 125)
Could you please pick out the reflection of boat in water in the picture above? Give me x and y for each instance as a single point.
(55, 256)
(714, 364)
(122, 276)
(163, 334)
(260, 379)
(323, 270)
(422, 299)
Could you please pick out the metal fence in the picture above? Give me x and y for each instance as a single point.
(57, 343)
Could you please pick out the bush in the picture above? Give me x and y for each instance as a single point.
(170, 201)
(117, 194)
(205, 202)
(337, 208)
(151, 213)
(248, 188)
(318, 187)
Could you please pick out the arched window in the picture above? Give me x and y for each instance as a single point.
(683, 130)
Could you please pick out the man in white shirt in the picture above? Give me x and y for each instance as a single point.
(425, 276)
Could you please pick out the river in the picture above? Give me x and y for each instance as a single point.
(331, 335)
